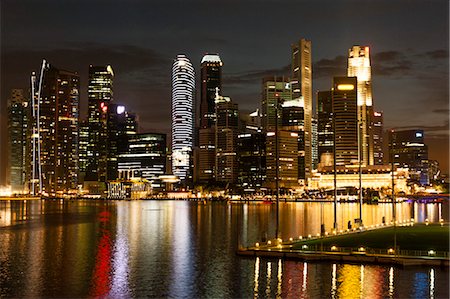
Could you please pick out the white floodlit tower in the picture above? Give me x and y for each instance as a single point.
(183, 84)
(359, 66)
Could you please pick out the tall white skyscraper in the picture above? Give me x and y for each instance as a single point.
(183, 84)
(359, 67)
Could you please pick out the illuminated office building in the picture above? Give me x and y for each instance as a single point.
(377, 127)
(325, 135)
(145, 158)
(301, 84)
(314, 143)
(287, 159)
(59, 116)
(118, 134)
(345, 115)
(210, 82)
(359, 66)
(227, 126)
(19, 133)
(183, 84)
(292, 120)
(83, 142)
(409, 150)
(251, 148)
(100, 94)
(273, 89)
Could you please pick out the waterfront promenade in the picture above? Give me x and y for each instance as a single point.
(404, 244)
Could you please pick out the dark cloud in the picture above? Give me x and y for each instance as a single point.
(328, 68)
(255, 76)
(442, 111)
(430, 128)
(437, 54)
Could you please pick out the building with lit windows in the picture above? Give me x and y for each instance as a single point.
(252, 160)
(145, 159)
(359, 67)
(227, 126)
(287, 159)
(293, 120)
(325, 134)
(119, 131)
(377, 127)
(301, 84)
(409, 150)
(183, 85)
(59, 116)
(19, 147)
(83, 143)
(345, 119)
(377, 177)
(273, 89)
(100, 94)
(210, 81)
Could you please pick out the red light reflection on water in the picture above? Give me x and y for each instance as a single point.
(101, 276)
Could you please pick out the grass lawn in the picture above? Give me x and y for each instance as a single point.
(417, 237)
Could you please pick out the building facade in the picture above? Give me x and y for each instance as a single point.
(100, 94)
(359, 67)
(183, 88)
(345, 120)
(408, 150)
(227, 126)
(145, 158)
(377, 127)
(301, 84)
(210, 82)
(19, 147)
(273, 89)
(58, 117)
(325, 133)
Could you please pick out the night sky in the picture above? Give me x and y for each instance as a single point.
(409, 43)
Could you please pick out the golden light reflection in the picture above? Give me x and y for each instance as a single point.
(280, 278)
(431, 283)
(256, 279)
(349, 281)
(391, 282)
(269, 275)
(305, 280)
(333, 281)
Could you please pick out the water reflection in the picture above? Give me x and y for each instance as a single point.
(101, 275)
(186, 249)
(120, 263)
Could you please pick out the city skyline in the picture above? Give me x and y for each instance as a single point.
(408, 79)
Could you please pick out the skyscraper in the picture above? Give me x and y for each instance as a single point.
(227, 125)
(211, 79)
(83, 143)
(345, 118)
(100, 94)
(409, 150)
(301, 84)
(145, 158)
(118, 134)
(59, 116)
(325, 135)
(273, 89)
(19, 148)
(359, 66)
(183, 84)
(210, 82)
(377, 127)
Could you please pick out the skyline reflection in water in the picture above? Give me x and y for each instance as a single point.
(187, 249)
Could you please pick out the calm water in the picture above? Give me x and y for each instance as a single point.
(187, 249)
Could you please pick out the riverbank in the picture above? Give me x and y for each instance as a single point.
(405, 245)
